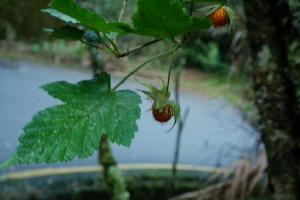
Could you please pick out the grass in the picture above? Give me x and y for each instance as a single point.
(144, 184)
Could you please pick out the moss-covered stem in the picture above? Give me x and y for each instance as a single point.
(112, 175)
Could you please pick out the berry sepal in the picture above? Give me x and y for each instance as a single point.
(163, 109)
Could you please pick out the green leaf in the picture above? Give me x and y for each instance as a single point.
(200, 23)
(161, 18)
(73, 129)
(165, 19)
(66, 32)
(70, 12)
(89, 37)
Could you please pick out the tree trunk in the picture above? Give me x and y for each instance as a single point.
(274, 42)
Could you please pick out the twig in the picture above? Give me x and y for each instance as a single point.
(121, 16)
(178, 140)
(135, 49)
(123, 10)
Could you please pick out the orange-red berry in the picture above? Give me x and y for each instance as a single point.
(219, 17)
(162, 115)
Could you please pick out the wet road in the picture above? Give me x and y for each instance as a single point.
(215, 133)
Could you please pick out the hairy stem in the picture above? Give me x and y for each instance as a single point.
(144, 64)
(169, 76)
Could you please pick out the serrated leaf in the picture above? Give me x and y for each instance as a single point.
(60, 15)
(70, 12)
(165, 19)
(73, 129)
(161, 18)
(66, 32)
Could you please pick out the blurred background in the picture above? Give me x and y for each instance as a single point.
(219, 136)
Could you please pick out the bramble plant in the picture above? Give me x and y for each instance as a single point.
(93, 108)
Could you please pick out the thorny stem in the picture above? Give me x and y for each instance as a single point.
(115, 50)
(145, 63)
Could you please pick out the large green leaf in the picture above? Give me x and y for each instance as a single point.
(70, 12)
(200, 23)
(73, 129)
(161, 18)
(165, 19)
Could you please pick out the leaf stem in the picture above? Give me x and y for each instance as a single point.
(145, 63)
(169, 76)
(114, 50)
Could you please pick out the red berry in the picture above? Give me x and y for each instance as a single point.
(162, 115)
(219, 17)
